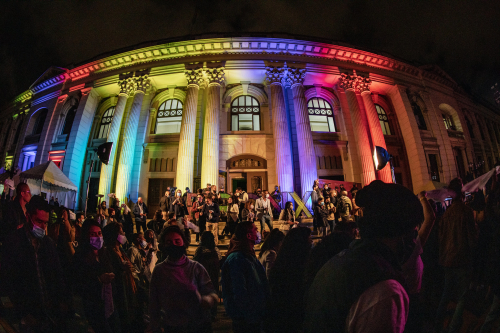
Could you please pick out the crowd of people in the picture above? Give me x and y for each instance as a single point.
(373, 261)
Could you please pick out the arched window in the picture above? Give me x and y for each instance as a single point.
(169, 117)
(384, 121)
(68, 122)
(18, 131)
(245, 114)
(469, 127)
(39, 121)
(105, 123)
(321, 115)
(448, 122)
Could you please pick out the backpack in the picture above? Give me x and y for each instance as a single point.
(344, 206)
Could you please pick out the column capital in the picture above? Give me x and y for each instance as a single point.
(127, 86)
(194, 76)
(275, 75)
(142, 83)
(215, 75)
(295, 75)
(363, 84)
(347, 82)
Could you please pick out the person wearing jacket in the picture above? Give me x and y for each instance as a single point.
(15, 216)
(165, 205)
(140, 213)
(287, 217)
(245, 289)
(177, 207)
(211, 212)
(265, 211)
(320, 217)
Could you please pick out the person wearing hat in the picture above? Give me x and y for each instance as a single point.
(361, 288)
(32, 275)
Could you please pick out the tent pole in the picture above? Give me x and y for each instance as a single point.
(88, 185)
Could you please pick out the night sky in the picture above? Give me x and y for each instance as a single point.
(462, 37)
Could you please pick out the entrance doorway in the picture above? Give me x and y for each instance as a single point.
(239, 182)
(93, 190)
(156, 189)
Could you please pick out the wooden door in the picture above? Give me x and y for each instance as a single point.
(156, 190)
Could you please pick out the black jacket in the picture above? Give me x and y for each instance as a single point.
(14, 216)
(137, 212)
(165, 204)
(215, 215)
(19, 277)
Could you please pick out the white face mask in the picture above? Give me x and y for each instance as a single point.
(144, 244)
(267, 195)
(251, 206)
(178, 194)
(121, 239)
(96, 242)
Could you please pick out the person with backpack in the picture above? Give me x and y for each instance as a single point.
(344, 206)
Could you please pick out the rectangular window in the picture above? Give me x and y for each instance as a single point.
(234, 122)
(434, 167)
(331, 124)
(256, 122)
(245, 122)
(319, 123)
(168, 125)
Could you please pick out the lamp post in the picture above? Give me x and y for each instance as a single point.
(380, 159)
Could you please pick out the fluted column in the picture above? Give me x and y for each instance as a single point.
(127, 86)
(376, 133)
(307, 157)
(349, 84)
(185, 162)
(282, 145)
(127, 152)
(210, 155)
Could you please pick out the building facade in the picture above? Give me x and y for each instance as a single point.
(246, 112)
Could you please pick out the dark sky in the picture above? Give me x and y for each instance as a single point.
(462, 37)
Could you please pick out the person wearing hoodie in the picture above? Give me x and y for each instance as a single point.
(181, 292)
(245, 289)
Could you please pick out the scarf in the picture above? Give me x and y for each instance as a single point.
(236, 245)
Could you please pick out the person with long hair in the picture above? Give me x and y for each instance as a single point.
(209, 256)
(285, 309)
(232, 214)
(181, 292)
(157, 223)
(94, 280)
(123, 268)
(249, 214)
(270, 248)
(287, 217)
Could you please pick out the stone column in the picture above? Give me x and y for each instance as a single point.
(281, 134)
(185, 162)
(210, 156)
(127, 152)
(307, 157)
(376, 133)
(349, 84)
(127, 86)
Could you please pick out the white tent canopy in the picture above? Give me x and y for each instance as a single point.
(48, 178)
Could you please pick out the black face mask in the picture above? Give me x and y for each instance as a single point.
(174, 252)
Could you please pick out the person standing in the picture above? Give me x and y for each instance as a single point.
(361, 288)
(457, 241)
(233, 211)
(181, 292)
(245, 289)
(15, 216)
(212, 213)
(265, 212)
(320, 216)
(32, 275)
(177, 207)
(140, 213)
(197, 216)
(344, 207)
(118, 210)
(269, 249)
(330, 208)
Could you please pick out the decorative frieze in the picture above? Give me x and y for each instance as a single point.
(354, 82)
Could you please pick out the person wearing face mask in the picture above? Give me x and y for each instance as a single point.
(95, 280)
(245, 289)
(123, 268)
(181, 292)
(138, 254)
(248, 213)
(369, 270)
(320, 217)
(287, 217)
(211, 212)
(165, 204)
(140, 213)
(199, 219)
(264, 211)
(177, 207)
(31, 273)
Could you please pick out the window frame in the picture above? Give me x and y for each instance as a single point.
(239, 111)
(105, 116)
(160, 113)
(39, 122)
(313, 110)
(71, 113)
(381, 113)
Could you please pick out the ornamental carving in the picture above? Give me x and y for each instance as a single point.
(195, 76)
(142, 83)
(246, 162)
(275, 74)
(215, 75)
(295, 75)
(127, 86)
(347, 81)
(363, 84)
